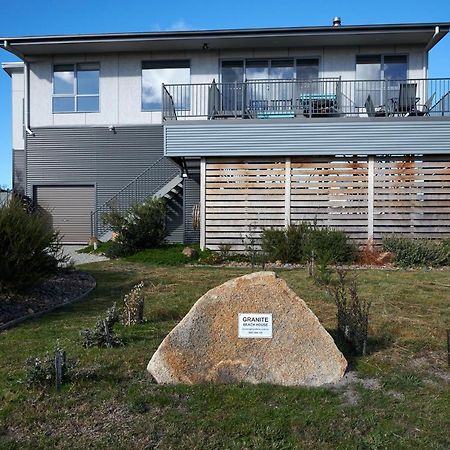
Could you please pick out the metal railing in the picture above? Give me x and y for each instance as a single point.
(145, 185)
(323, 97)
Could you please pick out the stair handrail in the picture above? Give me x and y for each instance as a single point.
(107, 204)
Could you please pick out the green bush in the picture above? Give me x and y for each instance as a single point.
(414, 252)
(299, 243)
(330, 246)
(30, 249)
(142, 226)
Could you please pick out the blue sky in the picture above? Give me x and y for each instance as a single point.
(34, 17)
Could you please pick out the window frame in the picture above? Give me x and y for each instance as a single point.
(75, 94)
(278, 58)
(180, 60)
(382, 56)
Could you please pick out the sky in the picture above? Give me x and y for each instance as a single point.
(37, 17)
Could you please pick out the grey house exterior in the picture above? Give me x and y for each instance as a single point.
(238, 129)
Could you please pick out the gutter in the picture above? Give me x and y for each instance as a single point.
(7, 47)
(437, 36)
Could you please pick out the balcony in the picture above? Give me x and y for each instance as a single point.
(307, 99)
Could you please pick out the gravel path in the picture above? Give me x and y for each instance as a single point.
(81, 258)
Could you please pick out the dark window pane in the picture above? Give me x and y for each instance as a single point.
(307, 69)
(174, 64)
(395, 67)
(368, 59)
(63, 104)
(88, 104)
(88, 81)
(63, 79)
(232, 71)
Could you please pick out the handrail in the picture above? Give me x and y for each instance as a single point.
(143, 186)
(325, 97)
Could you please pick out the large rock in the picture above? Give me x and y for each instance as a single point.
(205, 347)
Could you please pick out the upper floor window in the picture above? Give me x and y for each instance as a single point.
(155, 73)
(381, 67)
(270, 69)
(76, 87)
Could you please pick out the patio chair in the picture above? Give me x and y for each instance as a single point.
(370, 108)
(426, 107)
(406, 103)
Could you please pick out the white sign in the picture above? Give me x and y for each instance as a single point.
(251, 325)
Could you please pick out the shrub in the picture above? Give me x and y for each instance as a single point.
(30, 249)
(413, 252)
(103, 335)
(330, 246)
(133, 306)
(142, 226)
(286, 244)
(42, 370)
(304, 241)
(352, 312)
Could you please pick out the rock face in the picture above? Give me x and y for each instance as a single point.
(205, 347)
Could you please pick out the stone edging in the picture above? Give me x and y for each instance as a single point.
(35, 315)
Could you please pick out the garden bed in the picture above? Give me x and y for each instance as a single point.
(59, 290)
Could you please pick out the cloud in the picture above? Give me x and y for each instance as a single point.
(178, 25)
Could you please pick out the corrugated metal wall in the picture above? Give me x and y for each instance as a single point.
(19, 170)
(411, 135)
(109, 160)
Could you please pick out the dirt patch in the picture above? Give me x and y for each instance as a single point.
(58, 290)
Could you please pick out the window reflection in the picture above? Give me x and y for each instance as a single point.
(155, 73)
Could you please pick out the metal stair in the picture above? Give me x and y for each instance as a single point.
(162, 179)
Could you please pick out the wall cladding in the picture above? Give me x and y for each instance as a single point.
(110, 160)
(363, 196)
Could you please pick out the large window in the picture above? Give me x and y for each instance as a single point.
(155, 73)
(372, 68)
(270, 69)
(76, 87)
(381, 67)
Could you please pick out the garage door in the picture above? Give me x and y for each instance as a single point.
(70, 208)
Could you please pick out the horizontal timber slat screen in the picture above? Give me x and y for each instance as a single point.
(363, 196)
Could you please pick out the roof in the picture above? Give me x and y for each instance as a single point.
(426, 34)
(10, 67)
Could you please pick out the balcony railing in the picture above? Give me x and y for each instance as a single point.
(324, 97)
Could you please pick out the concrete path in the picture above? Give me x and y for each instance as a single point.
(81, 258)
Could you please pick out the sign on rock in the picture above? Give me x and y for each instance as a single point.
(252, 325)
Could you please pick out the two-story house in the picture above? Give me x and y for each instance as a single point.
(239, 129)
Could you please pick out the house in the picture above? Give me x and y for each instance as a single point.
(238, 129)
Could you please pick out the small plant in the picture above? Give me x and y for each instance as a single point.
(352, 312)
(54, 368)
(253, 254)
(413, 252)
(142, 226)
(225, 251)
(133, 306)
(29, 248)
(103, 335)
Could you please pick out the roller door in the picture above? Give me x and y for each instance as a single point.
(70, 208)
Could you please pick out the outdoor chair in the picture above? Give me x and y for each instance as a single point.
(370, 108)
(406, 102)
(426, 107)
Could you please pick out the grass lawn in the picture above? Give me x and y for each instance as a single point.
(401, 401)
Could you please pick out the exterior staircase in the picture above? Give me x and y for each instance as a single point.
(162, 179)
